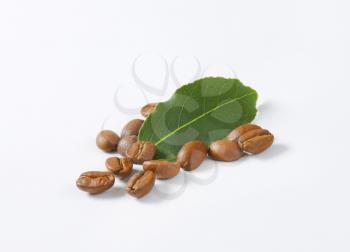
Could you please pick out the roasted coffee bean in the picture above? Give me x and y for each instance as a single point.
(125, 143)
(132, 128)
(237, 132)
(95, 181)
(148, 109)
(255, 141)
(107, 140)
(163, 169)
(192, 154)
(225, 150)
(121, 167)
(140, 183)
(141, 151)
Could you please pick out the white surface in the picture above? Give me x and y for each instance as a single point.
(62, 61)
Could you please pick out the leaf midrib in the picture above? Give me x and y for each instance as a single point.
(201, 116)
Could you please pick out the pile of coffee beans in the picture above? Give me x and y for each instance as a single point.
(246, 139)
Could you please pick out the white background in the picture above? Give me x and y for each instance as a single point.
(60, 65)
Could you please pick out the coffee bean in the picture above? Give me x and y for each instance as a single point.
(141, 151)
(237, 132)
(225, 150)
(132, 128)
(125, 143)
(121, 167)
(192, 154)
(140, 183)
(163, 169)
(95, 181)
(255, 141)
(107, 140)
(148, 109)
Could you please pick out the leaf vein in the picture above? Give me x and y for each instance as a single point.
(201, 116)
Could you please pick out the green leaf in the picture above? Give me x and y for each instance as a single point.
(207, 109)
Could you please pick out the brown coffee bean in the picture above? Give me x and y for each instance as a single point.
(125, 143)
(225, 150)
(141, 151)
(95, 181)
(107, 140)
(132, 128)
(121, 167)
(192, 154)
(163, 169)
(255, 141)
(148, 109)
(237, 132)
(140, 183)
